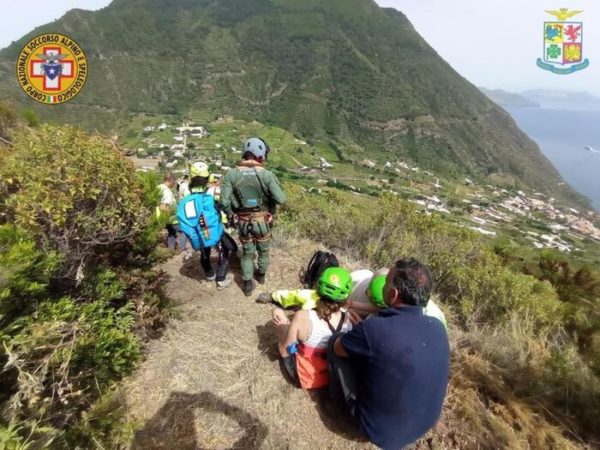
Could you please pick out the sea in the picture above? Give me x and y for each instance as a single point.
(563, 135)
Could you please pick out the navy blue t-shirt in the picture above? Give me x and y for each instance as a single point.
(402, 359)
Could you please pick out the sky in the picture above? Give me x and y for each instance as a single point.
(492, 43)
(495, 43)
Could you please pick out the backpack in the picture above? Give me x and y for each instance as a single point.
(200, 220)
(249, 191)
(318, 263)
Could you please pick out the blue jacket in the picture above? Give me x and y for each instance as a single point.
(200, 220)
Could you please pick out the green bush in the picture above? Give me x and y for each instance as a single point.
(24, 271)
(73, 192)
(468, 275)
(64, 352)
(8, 121)
(77, 235)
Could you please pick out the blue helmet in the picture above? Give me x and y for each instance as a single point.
(257, 147)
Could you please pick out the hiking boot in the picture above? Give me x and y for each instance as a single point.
(225, 283)
(265, 297)
(211, 276)
(259, 277)
(248, 288)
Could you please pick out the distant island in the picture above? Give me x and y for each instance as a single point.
(544, 98)
(563, 99)
(509, 99)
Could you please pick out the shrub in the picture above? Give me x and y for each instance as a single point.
(8, 121)
(73, 192)
(64, 350)
(71, 208)
(24, 271)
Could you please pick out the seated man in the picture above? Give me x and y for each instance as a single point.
(303, 341)
(391, 372)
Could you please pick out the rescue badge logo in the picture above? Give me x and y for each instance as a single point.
(52, 68)
(563, 44)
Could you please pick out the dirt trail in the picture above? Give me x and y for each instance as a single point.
(213, 380)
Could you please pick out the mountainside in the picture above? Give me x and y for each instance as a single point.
(344, 70)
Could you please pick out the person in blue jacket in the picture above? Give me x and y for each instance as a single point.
(201, 220)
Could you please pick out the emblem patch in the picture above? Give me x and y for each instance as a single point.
(52, 68)
(563, 44)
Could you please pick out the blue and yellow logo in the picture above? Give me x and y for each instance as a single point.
(563, 44)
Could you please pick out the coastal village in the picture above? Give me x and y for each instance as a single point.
(489, 210)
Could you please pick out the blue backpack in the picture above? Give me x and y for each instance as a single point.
(199, 220)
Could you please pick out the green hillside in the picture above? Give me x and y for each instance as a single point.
(344, 69)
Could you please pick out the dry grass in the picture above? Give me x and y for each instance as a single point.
(213, 380)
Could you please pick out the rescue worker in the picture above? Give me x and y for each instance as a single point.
(200, 211)
(249, 196)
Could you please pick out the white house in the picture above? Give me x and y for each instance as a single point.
(325, 164)
(368, 163)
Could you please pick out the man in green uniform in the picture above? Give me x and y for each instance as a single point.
(250, 194)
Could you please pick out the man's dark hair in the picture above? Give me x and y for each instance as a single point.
(249, 155)
(413, 281)
(198, 182)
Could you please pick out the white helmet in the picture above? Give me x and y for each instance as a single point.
(257, 147)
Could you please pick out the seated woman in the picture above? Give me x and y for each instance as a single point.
(303, 341)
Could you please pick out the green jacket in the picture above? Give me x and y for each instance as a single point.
(265, 181)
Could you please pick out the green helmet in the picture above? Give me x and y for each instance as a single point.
(335, 283)
(376, 290)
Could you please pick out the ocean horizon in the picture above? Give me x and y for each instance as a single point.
(562, 135)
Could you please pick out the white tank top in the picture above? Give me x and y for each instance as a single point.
(320, 334)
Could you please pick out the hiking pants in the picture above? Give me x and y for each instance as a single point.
(255, 236)
(223, 265)
(343, 385)
(171, 236)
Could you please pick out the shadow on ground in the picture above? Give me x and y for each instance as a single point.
(267, 340)
(174, 427)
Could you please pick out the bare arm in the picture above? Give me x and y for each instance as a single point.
(298, 330)
(363, 308)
